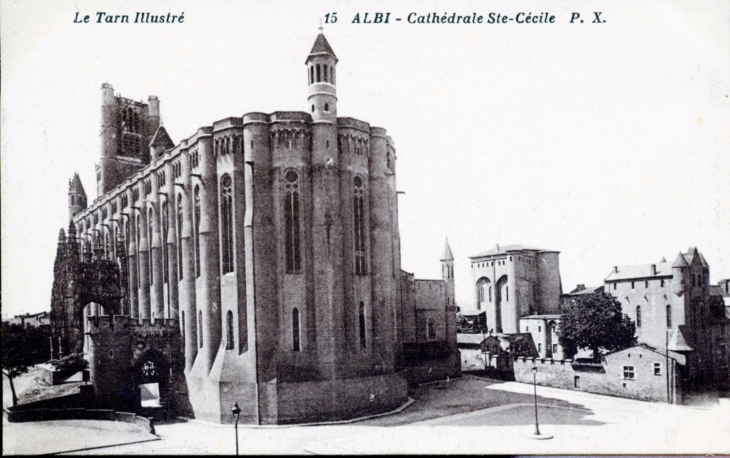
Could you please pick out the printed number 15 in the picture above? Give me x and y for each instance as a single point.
(330, 18)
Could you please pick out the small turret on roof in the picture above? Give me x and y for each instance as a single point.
(680, 261)
(677, 342)
(448, 255)
(74, 185)
(162, 138)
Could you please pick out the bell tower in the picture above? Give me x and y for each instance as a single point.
(321, 76)
(447, 272)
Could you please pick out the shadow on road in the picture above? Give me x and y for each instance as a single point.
(469, 394)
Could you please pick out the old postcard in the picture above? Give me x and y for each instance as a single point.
(365, 227)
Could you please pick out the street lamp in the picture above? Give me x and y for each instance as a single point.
(534, 384)
(236, 412)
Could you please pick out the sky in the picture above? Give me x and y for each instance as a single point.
(607, 142)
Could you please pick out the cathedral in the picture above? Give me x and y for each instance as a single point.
(256, 261)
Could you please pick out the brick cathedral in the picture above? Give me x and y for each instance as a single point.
(256, 261)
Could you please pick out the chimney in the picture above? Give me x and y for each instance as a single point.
(653, 269)
(580, 287)
(498, 247)
(615, 269)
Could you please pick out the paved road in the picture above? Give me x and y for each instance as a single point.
(579, 422)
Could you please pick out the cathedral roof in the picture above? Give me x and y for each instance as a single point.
(448, 255)
(321, 46)
(162, 138)
(74, 185)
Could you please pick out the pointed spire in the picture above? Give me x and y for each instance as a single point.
(703, 261)
(74, 185)
(691, 254)
(162, 138)
(321, 46)
(61, 237)
(663, 259)
(680, 261)
(448, 255)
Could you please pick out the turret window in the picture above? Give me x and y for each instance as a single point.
(326, 107)
(638, 316)
(227, 223)
(319, 78)
(332, 74)
(359, 226)
(291, 222)
(324, 73)
(200, 329)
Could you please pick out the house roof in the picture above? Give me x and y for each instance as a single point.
(717, 290)
(585, 290)
(663, 269)
(510, 249)
(469, 338)
(642, 345)
(542, 317)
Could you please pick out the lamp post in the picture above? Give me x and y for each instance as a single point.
(236, 412)
(534, 384)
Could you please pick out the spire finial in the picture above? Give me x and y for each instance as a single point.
(321, 29)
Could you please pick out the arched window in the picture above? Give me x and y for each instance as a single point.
(324, 73)
(229, 328)
(296, 344)
(227, 223)
(163, 241)
(490, 294)
(363, 336)
(669, 316)
(311, 74)
(431, 329)
(139, 258)
(359, 215)
(196, 225)
(506, 293)
(179, 237)
(326, 107)
(332, 74)
(312, 108)
(291, 222)
(638, 316)
(200, 329)
(319, 78)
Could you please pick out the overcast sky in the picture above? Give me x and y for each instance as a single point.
(607, 142)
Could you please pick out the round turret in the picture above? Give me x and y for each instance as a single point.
(321, 76)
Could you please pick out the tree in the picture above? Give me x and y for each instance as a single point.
(595, 321)
(22, 348)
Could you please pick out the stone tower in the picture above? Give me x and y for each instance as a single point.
(321, 74)
(447, 273)
(127, 129)
(76, 196)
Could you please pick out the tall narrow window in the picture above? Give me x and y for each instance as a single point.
(229, 328)
(669, 316)
(139, 258)
(296, 344)
(638, 316)
(358, 211)
(163, 232)
(200, 329)
(319, 78)
(431, 329)
(324, 73)
(361, 315)
(291, 223)
(182, 327)
(332, 74)
(179, 237)
(196, 217)
(506, 290)
(150, 231)
(490, 294)
(227, 223)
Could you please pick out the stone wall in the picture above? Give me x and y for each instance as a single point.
(609, 376)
